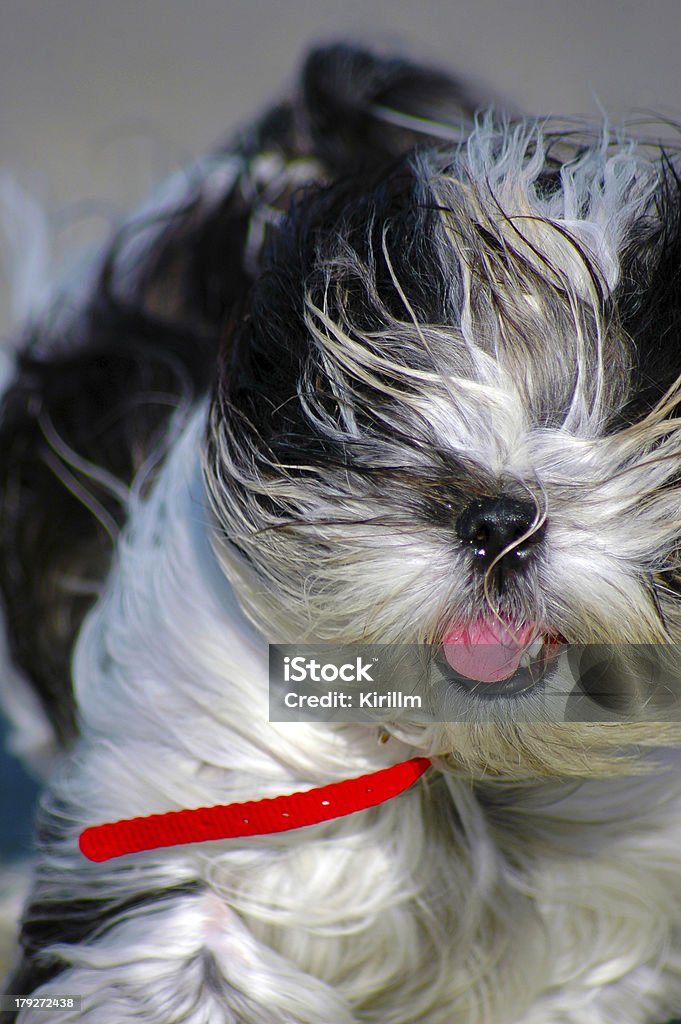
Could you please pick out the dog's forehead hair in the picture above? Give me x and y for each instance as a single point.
(457, 290)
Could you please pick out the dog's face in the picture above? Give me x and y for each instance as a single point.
(447, 416)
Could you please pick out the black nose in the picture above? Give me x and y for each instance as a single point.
(490, 525)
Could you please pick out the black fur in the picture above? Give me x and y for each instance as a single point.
(649, 298)
(95, 388)
(199, 317)
(105, 384)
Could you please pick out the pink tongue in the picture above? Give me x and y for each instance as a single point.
(487, 650)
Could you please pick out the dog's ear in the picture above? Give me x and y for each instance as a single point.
(648, 298)
(362, 108)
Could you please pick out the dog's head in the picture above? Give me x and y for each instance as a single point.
(448, 415)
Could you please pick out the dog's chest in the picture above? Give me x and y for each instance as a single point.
(504, 907)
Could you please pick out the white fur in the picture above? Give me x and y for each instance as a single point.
(517, 883)
(518, 903)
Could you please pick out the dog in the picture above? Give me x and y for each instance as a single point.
(383, 370)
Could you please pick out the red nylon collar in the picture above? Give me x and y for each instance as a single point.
(252, 818)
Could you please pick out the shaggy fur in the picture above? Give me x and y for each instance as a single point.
(292, 376)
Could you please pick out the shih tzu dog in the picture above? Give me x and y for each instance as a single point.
(383, 371)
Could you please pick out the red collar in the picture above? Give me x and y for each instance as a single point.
(252, 818)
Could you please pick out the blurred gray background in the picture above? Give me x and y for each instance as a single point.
(92, 91)
(100, 98)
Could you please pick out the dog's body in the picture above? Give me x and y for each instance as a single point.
(430, 345)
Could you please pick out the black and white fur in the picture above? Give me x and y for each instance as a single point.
(291, 374)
